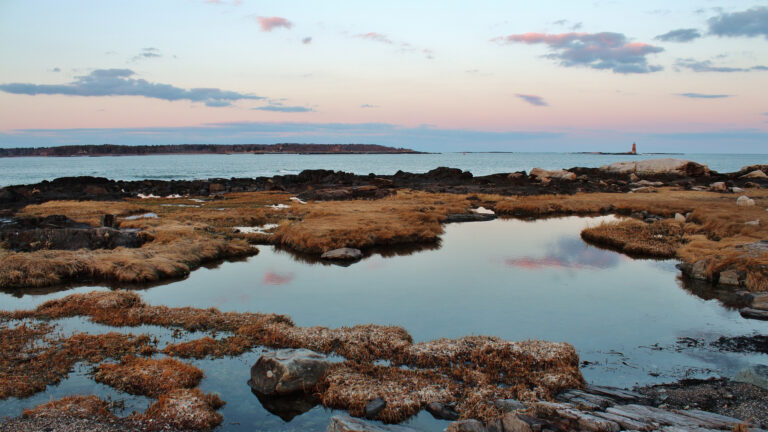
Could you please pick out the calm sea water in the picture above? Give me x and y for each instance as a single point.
(187, 167)
(509, 278)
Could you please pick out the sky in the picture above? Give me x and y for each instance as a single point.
(485, 75)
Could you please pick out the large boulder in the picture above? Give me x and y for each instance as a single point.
(667, 166)
(345, 423)
(542, 174)
(288, 371)
(756, 174)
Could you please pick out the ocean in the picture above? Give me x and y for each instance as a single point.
(28, 170)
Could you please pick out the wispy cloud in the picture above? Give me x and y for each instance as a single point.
(270, 23)
(368, 106)
(56, 69)
(704, 95)
(612, 51)
(573, 26)
(147, 53)
(307, 40)
(751, 23)
(279, 107)
(533, 99)
(375, 37)
(680, 35)
(708, 66)
(120, 82)
(405, 47)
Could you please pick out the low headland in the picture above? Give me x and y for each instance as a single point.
(86, 230)
(145, 150)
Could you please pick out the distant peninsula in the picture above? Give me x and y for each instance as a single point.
(143, 150)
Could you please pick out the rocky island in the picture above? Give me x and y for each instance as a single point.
(141, 150)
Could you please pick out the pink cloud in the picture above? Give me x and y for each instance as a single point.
(270, 23)
(612, 51)
(272, 278)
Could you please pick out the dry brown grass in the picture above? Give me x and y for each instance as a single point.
(32, 357)
(146, 376)
(636, 238)
(479, 369)
(72, 406)
(407, 217)
(186, 409)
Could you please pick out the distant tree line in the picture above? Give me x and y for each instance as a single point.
(124, 150)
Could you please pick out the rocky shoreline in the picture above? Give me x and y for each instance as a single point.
(92, 229)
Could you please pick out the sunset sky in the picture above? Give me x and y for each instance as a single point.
(688, 76)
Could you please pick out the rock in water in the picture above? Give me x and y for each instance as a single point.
(342, 254)
(288, 371)
(755, 375)
(658, 166)
(374, 407)
(442, 411)
(345, 423)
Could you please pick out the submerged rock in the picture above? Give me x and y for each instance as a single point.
(289, 406)
(343, 254)
(288, 371)
(755, 375)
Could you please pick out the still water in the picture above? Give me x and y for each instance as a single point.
(508, 278)
(188, 167)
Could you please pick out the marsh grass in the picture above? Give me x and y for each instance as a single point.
(146, 376)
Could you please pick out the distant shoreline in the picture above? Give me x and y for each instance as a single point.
(200, 149)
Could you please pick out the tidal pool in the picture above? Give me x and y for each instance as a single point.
(508, 278)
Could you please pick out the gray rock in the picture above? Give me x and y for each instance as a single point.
(759, 301)
(657, 166)
(466, 426)
(699, 270)
(509, 405)
(755, 375)
(512, 423)
(735, 189)
(442, 411)
(679, 218)
(288, 371)
(718, 187)
(374, 407)
(756, 174)
(730, 278)
(745, 201)
(343, 254)
(469, 217)
(753, 313)
(345, 423)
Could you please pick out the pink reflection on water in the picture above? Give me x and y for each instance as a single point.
(273, 278)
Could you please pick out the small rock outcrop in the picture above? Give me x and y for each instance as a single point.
(343, 254)
(345, 423)
(756, 174)
(668, 166)
(288, 371)
(541, 174)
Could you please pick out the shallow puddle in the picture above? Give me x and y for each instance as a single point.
(508, 278)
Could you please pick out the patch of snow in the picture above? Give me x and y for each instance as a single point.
(483, 210)
(298, 200)
(255, 229)
(150, 215)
